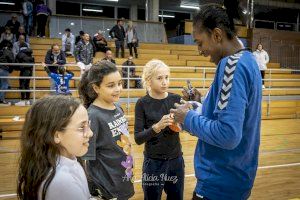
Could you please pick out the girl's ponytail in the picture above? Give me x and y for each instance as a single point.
(86, 91)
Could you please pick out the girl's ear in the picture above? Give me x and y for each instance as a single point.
(57, 137)
(96, 88)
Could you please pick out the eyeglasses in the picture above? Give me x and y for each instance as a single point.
(85, 129)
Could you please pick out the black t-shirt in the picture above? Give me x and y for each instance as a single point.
(109, 157)
(148, 111)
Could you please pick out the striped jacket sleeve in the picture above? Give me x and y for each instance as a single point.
(224, 131)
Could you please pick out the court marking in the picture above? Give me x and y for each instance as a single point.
(191, 175)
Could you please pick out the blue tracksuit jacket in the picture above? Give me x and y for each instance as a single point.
(226, 156)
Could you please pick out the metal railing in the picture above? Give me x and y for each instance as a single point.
(203, 71)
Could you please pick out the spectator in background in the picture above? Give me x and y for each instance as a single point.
(61, 79)
(42, 13)
(100, 42)
(21, 43)
(131, 74)
(7, 35)
(262, 59)
(68, 42)
(109, 57)
(53, 59)
(24, 56)
(84, 53)
(79, 37)
(13, 24)
(118, 34)
(132, 39)
(6, 56)
(27, 9)
(21, 31)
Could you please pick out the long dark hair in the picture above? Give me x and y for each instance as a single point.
(39, 152)
(213, 16)
(95, 76)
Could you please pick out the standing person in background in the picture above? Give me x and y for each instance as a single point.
(262, 59)
(42, 13)
(68, 42)
(6, 56)
(24, 56)
(228, 129)
(53, 59)
(132, 39)
(162, 154)
(117, 33)
(56, 131)
(61, 79)
(27, 9)
(13, 24)
(84, 53)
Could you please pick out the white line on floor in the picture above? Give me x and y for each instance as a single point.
(188, 175)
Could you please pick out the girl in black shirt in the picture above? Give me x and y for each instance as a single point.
(163, 166)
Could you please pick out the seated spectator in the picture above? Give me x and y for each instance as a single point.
(20, 43)
(53, 59)
(24, 56)
(13, 24)
(7, 35)
(109, 57)
(79, 37)
(131, 74)
(42, 14)
(84, 53)
(6, 56)
(100, 42)
(21, 31)
(68, 42)
(61, 80)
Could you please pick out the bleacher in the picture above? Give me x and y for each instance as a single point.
(182, 58)
(284, 104)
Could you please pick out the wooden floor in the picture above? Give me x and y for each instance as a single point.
(278, 176)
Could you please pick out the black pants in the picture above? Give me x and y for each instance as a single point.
(41, 21)
(130, 46)
(262, 72)
(25, 83)
(159, 175)
(119, 44)
(195, 197)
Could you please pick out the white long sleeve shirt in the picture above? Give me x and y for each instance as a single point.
(69, 182)
(262, 58)
(71, 39)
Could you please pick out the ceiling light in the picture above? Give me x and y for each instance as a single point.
(167, 16)
(191, 7)
(92, 10)
(7, 3)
